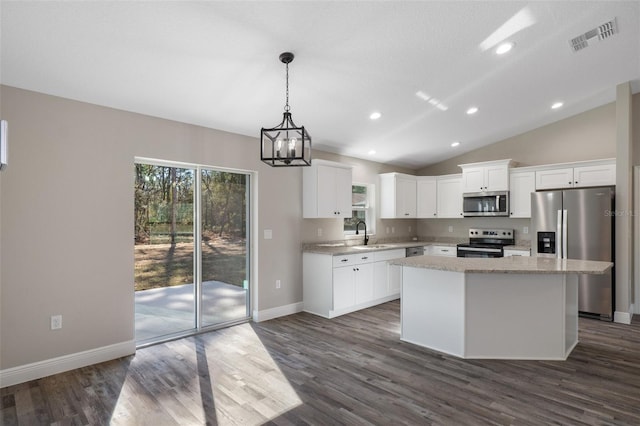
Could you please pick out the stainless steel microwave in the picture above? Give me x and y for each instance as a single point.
(485, 203)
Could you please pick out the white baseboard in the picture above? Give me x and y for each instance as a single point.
(622, 317)
(280, 311)
(37, 370)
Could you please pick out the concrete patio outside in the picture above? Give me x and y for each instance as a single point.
(167, 310)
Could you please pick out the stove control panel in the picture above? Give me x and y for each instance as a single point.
(491, 233)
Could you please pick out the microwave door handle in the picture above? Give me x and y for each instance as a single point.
(559, 235)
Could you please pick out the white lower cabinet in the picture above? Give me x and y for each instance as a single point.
(516, 252)
(450, 251)
(336, 285)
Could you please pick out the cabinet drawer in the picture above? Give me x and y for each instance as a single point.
(352, 259)
(444, 251)
(379, 256)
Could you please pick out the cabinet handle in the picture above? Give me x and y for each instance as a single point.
(576, 182)
(569, 182)
(344, 260)
(364, 258)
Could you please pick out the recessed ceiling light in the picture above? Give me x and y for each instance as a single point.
(556, 105)
(375, 115)
(454, 144)
(372, 152)
(504, 48)
(472, 110)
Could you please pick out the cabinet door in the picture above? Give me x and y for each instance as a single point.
(344, 291)
(395, 279)
(343, 192)
(554, 179)
(594, 175)
(473, 179)
(327, 191)
(405, 198)
(364, 282)
(522, 185)
(496, 178)
(426, 198)
(450, 198)
(380, 282)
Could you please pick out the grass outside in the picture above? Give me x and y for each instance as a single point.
(163, 265)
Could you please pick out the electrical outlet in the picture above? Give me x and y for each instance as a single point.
(387, 229)
(56, 322)
(409, 228)
(319, 232)
(393, 229)
(525, 230)
(450, 228)
(278, 284)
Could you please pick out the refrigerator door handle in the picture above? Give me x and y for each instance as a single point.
(559, 235)
(564, 234)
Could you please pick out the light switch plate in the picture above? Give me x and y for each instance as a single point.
(268, 234)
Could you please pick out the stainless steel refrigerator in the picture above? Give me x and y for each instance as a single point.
(578, 224)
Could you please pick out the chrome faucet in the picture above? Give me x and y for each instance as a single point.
(366, 238)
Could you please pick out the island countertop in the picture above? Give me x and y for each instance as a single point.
(506, 265)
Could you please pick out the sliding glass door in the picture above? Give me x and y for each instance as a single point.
(224, 246)
(191, 249)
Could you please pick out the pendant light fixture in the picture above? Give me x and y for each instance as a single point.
(286, 145)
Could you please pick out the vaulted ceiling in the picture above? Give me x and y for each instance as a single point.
(421, 65)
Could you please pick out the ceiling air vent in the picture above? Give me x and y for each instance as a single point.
(605, 30)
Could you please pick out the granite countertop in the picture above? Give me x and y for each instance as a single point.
(337, 249)
(507, 265)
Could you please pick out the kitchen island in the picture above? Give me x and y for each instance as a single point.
(500, 308)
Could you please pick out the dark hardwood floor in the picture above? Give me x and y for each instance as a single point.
(304, 369)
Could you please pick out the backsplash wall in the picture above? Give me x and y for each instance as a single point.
(439, 228)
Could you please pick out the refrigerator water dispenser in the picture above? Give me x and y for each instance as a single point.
(547, 242)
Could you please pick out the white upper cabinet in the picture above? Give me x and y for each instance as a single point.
(600, 173)
(485, 176)
(594, 175)
(449, 194)
(554, 178)
(397, 196)
(326, 190)
(522, 184)
(427, 201)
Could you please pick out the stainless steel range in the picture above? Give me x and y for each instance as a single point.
(486, 243)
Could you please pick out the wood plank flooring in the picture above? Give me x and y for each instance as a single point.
(306, 370)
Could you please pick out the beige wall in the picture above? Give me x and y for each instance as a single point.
(587, 136)
(636, 128)
(67, 220)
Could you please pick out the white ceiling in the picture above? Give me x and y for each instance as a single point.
(216, 64)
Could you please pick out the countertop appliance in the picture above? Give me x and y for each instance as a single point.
(494, 203)
(486, 243)
(578, 224)
(414, 251)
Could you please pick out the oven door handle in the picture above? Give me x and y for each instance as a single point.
(484, 250)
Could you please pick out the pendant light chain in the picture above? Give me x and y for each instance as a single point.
(285, 145)
(286, 106)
